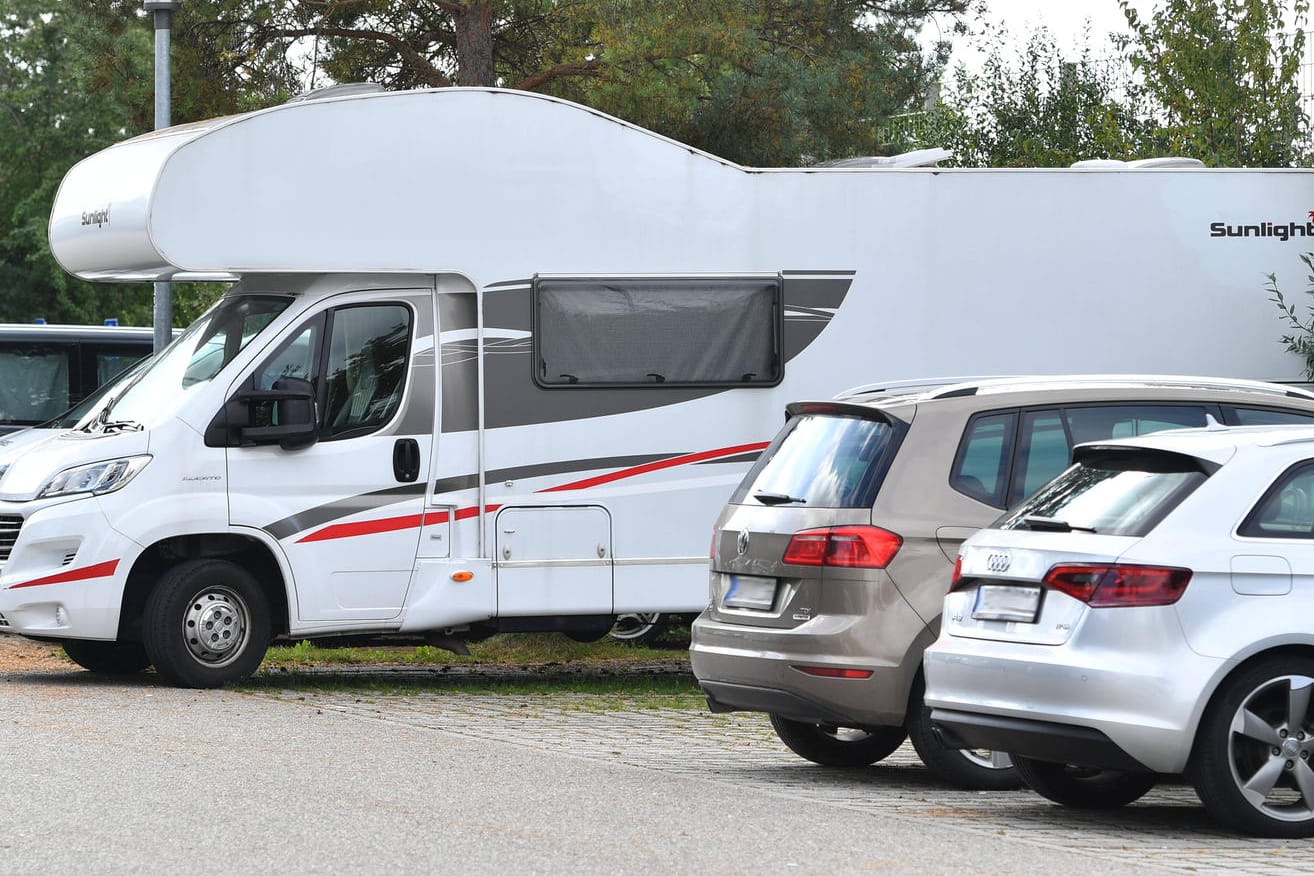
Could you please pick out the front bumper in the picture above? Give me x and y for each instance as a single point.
(66, 574)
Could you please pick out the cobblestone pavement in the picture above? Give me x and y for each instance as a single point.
(1167, 828)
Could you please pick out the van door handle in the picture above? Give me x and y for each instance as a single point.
(406, 460)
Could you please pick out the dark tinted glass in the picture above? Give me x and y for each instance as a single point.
(823, 462)
(1113, 493)
(981, 466)
(1266, 417)
(1287, 510)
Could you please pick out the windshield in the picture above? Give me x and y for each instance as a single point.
(197, 355)
(821, 462)
(1117, 493)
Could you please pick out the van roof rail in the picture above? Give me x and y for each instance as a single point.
(909, 387)
(951, 387)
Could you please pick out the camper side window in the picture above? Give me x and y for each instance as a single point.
(647, 332)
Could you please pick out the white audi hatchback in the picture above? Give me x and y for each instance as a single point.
(1148, 613)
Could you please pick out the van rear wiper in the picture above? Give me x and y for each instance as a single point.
(778, 499)
(1036, 523)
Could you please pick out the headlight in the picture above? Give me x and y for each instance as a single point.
(99, 477)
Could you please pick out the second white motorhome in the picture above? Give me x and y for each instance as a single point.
(494, 361)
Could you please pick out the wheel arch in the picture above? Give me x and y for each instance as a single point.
(245, 550)
(1230, 671)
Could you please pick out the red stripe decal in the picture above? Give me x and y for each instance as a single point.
(100, 570)
(655, 466)
(392, 524)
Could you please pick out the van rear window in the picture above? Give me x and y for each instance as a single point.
(822, 462)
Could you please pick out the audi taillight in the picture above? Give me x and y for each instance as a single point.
(861, 547)
(1118, 584)
(958, 573)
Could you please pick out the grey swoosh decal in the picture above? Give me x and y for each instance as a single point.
(466, 482)
(319, 515)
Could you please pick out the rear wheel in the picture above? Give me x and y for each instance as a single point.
(1252, 765)
(206, 624)
(1083, 787)
(638, 629)
(832, 745)
(109, 658)
(974, 769)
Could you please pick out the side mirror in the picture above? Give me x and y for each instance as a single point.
(292, 402)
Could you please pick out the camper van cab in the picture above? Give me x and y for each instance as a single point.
(510, 389)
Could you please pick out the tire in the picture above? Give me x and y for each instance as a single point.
(1083, 787)
(216, 596)
(638, 629)
(107, 658)
(972, 769)
(1251, 765)
(829, 745)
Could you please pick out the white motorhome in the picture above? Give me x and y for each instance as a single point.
(493, 361)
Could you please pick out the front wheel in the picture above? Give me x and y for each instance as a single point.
(973, 769)
(107, 658)
(831, 745)
(1083, 787)
(206, 624)
(1252, 761)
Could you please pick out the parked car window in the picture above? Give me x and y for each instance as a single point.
(1268, 417)
(823, 462)
(981, 467)
(1043, 451)
(657, 332)
(1127, 421)
(1113, 492)
(1287, 509)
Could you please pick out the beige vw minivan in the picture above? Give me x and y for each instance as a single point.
(831, 562)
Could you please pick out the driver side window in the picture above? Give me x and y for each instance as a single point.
(358, 380)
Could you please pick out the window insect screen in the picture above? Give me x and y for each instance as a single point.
(594, 332)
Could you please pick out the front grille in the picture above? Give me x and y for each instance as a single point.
(9, 526)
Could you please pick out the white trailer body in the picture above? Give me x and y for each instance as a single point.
(541, 346)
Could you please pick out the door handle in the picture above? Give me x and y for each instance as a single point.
(406, 460)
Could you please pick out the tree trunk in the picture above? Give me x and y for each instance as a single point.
(474, 44)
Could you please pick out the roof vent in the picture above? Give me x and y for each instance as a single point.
(346, 89)
(1168, 161)
(916, 158)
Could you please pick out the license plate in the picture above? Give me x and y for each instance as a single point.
(749, 592)
(1004, 602)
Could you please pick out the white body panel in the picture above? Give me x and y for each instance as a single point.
(468, 195)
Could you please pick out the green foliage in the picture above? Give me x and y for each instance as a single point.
(1040, 109)
(1224, 76)
(1300, 339)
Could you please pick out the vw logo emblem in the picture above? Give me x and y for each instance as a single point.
(998, 562)
(742, 542)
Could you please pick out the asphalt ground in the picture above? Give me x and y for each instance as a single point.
(134, 777)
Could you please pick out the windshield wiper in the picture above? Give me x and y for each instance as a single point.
(778, 499)
(1036, 523)
(121, 426)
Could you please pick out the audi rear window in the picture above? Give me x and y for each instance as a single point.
(1111, 493)
(822, 461)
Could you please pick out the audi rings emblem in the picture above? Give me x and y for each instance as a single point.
(742, 542)
(998, 562)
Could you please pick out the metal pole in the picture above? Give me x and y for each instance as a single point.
(163, 11)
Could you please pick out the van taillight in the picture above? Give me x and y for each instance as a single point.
(862, 547)
(1117, 585)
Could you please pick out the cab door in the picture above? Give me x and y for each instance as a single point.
(346, 509)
